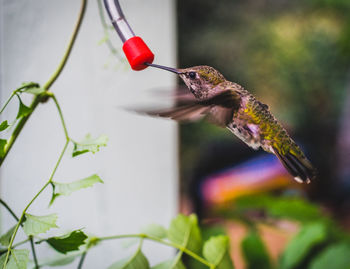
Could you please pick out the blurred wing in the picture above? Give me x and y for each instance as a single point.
(183, 113)
(220, 115)
(218, 109)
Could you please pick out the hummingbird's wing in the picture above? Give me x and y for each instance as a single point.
(218, 109)
(183, 113)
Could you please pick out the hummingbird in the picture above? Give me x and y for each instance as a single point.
(228, 104)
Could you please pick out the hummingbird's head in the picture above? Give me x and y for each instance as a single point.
(201, 80)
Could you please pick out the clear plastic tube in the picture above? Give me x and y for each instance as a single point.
(118, 20)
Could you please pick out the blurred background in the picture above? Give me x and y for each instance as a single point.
(292, 55)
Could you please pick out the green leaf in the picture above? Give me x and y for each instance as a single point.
(216, 251)
(206, 233)
(3, 143)
(35, 225)
(184, 231)
(68, 242)
(35, 89)
(335, 257)
(297, 249)
(67, 188)
(4, 125)
(6, 238)
(30, 87)
(154, 230)
(18, 259)
(23, 110)
(254, 252)
(172, 264)
(89, 145)
(137, 261)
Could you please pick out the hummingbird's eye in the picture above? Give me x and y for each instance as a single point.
(192, 75)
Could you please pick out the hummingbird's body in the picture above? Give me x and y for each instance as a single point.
(229, 105)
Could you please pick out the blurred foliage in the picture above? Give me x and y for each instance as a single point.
(292, 208)
(254, 252)
(335, 257)
(216, 250)
(318, 243)
(293, 55)
(309, 236)
(319, 240)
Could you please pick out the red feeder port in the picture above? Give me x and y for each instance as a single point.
(137, 53)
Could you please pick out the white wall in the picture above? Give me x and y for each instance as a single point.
(139, 165)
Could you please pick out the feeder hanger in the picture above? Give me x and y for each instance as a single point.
(135, 49)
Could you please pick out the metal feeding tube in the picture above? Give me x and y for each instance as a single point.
(135, 49)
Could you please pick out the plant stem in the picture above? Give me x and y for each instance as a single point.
(30, 238)
(47, 85)
(19, 223)
(35, 258)
(60, 114)
(27, 85)
(171, 244)
(8, 101)
(9, 209)
(33, 199)
(19, 220)
(18, 129)
(58, 162)
(65, 57)
(82, 259)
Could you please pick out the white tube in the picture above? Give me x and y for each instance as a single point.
(119, 22)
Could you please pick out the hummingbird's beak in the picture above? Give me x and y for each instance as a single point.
(174, 70)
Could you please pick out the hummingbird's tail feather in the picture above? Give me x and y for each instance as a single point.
(299, 167)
